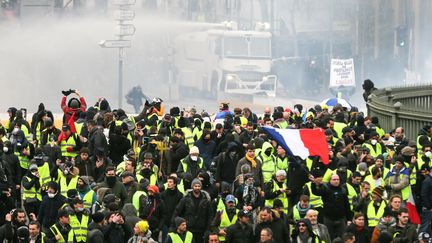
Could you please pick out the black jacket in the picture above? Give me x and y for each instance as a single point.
(335, 200)
(226, 167)
(48, 209)
(171, 199)
(117, 233)
(196, 211)
(97, 140)
(239, 233)
(426, 193)
(279, 228)
(118, 146)
(178, 151)
(11, 165)
(152, 211)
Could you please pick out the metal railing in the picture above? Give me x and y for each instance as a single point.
(408, 106)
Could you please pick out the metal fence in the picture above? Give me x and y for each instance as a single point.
(409, 107)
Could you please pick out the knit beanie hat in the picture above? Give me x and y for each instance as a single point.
(178, 221)
(143, 225)
(378, 191)
(196, 181)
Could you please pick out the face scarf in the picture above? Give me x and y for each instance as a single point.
(251, 160)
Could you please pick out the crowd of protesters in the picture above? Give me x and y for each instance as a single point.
(182, 176)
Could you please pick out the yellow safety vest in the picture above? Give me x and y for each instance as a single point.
(282, 164)
(371, 181)
(44, 174)
(88, 199)
(268, 167)
(185, 165)
(175, 238)
(38, 132)
(338, 127)
(372, 216)
(79, 228)
(406, 191)
(309, 163)
(136, 199)
(225, 222)
(78, 127)
(64, 187)
(296, 213)
(314, 200)
(23, 159)
(283, 197)
(374, 152)
(147, 127)
(153, 178)
(32, 192)
(189, 137)
(56, 231)
(26, 132)
(197, 133)
(70, 142)
(351, 194)
(329, 173)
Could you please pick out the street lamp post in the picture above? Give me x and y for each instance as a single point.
(123, 29)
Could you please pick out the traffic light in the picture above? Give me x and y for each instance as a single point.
(402, 36)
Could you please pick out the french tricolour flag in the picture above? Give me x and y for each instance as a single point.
(301, 142)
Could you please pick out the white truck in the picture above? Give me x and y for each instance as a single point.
(221, 59)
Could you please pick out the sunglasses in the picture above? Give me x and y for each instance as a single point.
(302, 225)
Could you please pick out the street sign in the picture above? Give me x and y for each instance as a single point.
(125, 29)
(124, 2)
(123, 14)
(115, 43)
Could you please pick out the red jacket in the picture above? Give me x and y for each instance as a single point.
(69, 111)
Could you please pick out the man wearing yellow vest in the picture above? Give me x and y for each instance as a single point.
(181, 234)
(61, 231)
(79, 220)
(50, 133)
(192, 164)
(374, 144)
(148, 170)
(32, 195)
(69, 143)
(277, 188)
(397, 179)
(375, 208)
(86, 193)
(67, 177)
(226, 217)
(268, 161)
(300, 209)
